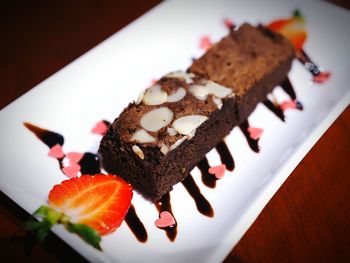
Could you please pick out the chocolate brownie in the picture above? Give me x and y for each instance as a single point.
(250, 61)
(157, 140)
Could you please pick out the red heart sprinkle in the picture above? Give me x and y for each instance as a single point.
(218, 170)
(322, 77)
(165, 220)
(100, 128)
(74, 157)
(56, 152)
(290, 104)
(228, 23)
(205, 42)
(72, 170)
(255, 133)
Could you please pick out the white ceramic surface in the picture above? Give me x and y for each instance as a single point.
(99, 84)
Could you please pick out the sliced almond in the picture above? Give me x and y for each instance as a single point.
(156, 119)
(164, 149)
(217, 90)
(137, 150)
(171, 131)
(187, 124)
(155, 95)
(178, 95)
(199, 91)
(181, 75)
(140, 98)
(178, 142)
(218, 102)
(142, 136)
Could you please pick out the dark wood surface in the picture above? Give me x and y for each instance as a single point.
(308, 220)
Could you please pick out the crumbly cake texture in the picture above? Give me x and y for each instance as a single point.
(250, 61)
(157, 140)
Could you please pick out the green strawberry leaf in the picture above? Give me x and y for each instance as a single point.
(298, 14)
(48, 213)
(32, 225)
(43, 230)
(53, 216)
(50, 217)
(42, 211)
(87, 233)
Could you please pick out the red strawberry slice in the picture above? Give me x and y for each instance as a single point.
(99, 201)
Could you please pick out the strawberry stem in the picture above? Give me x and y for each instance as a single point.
(298, 14)
(51, 217)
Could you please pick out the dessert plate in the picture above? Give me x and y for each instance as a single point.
(99, 84)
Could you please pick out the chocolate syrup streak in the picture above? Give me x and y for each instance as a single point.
(89, 163)
(275, 109)
(48, 137)
(164, 205)
(135, 225)
(308, 63)
(288, 88)
(225, 156)
(106, 122)
(207, 178)
(203, 206)
(253, 144)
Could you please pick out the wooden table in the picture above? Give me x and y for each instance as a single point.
(308, 220)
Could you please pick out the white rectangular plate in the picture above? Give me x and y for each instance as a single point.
(102, 82)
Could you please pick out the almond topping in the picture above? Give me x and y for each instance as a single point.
(142, 136)
(187, 124)
(156, 119)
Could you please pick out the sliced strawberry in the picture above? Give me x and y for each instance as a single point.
(292, 28)
(99, 201)
(278, 24)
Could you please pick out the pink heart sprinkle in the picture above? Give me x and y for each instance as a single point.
(205, 42)
(72, 170)
(74, 157)
(228, 23)
(322, 77)
(255, 133)
(100, 128)
(218, 170)
(56, 152)
(165, 220)
(290, 104)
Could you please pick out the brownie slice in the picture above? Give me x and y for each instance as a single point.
(154, 157)
(250, 61)
(158, 140)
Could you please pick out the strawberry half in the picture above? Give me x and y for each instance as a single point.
(292, 28)
(89, 206)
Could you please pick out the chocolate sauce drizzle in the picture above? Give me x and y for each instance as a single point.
(288, 88)
(208, 179)
(89, 163)
(48, 137)
(202, 204)
(253, 144)
(165, 205)
(135, 225)
(275, 109)
(225, 156)
(308, 63)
